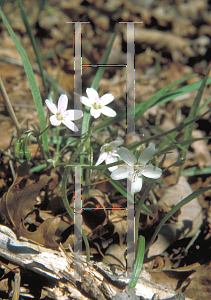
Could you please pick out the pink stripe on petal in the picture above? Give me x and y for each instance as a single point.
(92, 94)
(101, 158)
(151, 172)
(106, 99)
(74, 114)
(62, 103)
(117, 142)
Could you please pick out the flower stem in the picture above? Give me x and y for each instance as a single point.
(44, 130)
(70, 211)
(139, 208)
(64, 194)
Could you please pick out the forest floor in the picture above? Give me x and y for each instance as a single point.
(172, 42)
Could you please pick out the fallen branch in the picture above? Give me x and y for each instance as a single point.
(81, 279)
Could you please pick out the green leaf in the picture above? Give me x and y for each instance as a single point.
(195, 171)
(21, 151)
(185, 89)
(95, 83)
(205, 103)
(158, 136)
(142, 107)
(138, 263)
(158, 97)
(183, 143)
(17, 147)
(101, 70)
(191, 117)
(27, 154)
(32, 82)
(162, 96)
(173, 210)
(34, 45)
(193, 113)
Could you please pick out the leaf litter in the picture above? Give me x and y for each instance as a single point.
(20, 209)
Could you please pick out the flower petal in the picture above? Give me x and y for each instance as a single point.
(62, 103)
(51, 106)
(104, 146)
(86, 101)
(146, 155)
(109, 160)
(117, 143)
(151, 171)
(101, 158)
(127, 156)
(73, 114)
(105, 99)
(122, 172)
(54, 121)
(70, 125)
(107, 111)
(92, 94)
(95, 112)
(137, 184)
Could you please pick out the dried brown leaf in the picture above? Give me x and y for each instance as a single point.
(17, 206)
(202, 153)
(186, 224)
(21, 201)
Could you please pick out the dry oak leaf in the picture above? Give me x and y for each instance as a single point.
(187, 223)
(94, 212)
(18, 202)
(202, 153)
(180, 48)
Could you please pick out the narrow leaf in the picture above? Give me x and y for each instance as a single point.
(34, 45)
(32, 82)
(173, 210)
(138, 263)
(142, 107)
(193, 113)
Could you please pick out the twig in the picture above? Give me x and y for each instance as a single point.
(9, 107)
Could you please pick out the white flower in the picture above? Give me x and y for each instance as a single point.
(136, 168)
(97, 104)
(62, 115)
(108, 152)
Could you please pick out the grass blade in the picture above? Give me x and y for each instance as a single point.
(195, 171)
(192, 116)
(158, 97)
(32, 82)
(142, 107)
(95, 83)
(138, 263)
(157, 136)
(183, 143)
(34, 45)
(101, 70)
(193, 113)
(173, 210)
